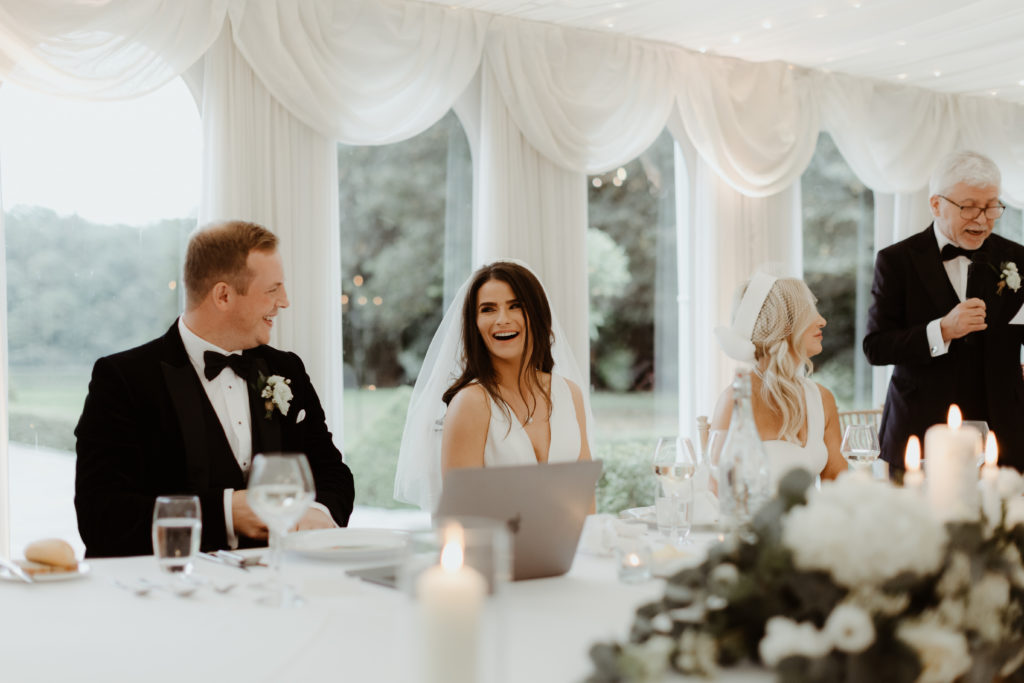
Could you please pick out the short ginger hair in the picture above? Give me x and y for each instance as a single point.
(219, 253)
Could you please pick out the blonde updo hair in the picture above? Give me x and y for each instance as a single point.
(787, 312)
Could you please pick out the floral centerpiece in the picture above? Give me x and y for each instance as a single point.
(856, 581)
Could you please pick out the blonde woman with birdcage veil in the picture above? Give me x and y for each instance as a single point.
(776, 328)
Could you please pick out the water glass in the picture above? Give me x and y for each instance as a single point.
(860, 447)
(177, 530)
(675, 463)
(280, 491)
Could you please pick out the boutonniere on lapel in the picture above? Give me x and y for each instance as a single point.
(1008, 277)
(275, 392)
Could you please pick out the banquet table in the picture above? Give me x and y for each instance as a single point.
(92, 629)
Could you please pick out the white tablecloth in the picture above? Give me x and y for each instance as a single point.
(89, 629)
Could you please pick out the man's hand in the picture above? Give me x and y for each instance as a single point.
(966, 317)
(315, 519)
(246, 522)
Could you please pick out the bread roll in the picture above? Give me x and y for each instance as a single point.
(52, 552)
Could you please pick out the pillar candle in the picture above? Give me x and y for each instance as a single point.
(450, 600)
(950, 452)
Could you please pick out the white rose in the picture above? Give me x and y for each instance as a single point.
(943, 653)
(1014, 512)
(785, 638)
(849, 628)
(1013, 281)
(1009, 483)
(864, 532)
(986, 605)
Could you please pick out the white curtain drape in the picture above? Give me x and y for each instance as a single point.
(262, 164)
(5, 499)
(748, 233)
(362, 72)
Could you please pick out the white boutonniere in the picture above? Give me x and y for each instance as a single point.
(1008, 277)
(275, 392)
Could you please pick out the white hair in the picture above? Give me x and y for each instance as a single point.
(975, 169)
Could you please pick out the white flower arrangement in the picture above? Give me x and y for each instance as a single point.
(276, 394)
(855, 582)
(1008, 277)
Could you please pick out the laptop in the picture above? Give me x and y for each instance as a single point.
(544, 507)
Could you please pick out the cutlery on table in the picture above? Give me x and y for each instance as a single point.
(240, 560)
(15, 570)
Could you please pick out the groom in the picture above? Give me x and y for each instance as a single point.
(943, 302)
(182, 414)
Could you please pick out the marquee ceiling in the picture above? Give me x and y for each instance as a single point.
(971, 47)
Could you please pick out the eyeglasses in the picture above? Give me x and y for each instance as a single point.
(971, 212)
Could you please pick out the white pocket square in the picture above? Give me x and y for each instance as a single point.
(301, 416)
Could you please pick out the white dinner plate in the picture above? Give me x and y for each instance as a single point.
(82, 570)
(349, 545)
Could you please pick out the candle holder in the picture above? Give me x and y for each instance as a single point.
(633, 560)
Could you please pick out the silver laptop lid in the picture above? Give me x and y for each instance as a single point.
(543, 505)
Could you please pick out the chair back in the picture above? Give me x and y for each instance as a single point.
(860, 417)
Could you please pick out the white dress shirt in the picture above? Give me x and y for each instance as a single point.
(229, 395)
(956, 270)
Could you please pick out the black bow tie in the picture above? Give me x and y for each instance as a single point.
(215, 362)
(951, 251)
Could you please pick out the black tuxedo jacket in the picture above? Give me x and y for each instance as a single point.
(910, 289)
(148, 429)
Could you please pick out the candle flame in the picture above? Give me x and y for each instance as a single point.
(912, 459)
(633, 560)
(452, 554)
(954, 419)
(991, 450)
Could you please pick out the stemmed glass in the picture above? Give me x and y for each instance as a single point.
(280, 491)
(860, 446)
(675, 463)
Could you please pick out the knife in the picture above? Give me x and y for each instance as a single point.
(15, 570)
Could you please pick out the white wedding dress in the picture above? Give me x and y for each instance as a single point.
(507, 446)
(813, 455)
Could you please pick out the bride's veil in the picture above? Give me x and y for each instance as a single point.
(418, 479)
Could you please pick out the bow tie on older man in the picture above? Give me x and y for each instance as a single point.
(214, 362)
(951, 251)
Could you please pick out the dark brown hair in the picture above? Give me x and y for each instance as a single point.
(539, 337)
(218, 253)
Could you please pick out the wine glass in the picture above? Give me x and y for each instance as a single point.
(177, 530)
(675, 463)
(860, 446)
(280, 491)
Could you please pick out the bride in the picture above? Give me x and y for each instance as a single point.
(499, 386)
(777, 328)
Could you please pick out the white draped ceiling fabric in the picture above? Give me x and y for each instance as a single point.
(284, 80)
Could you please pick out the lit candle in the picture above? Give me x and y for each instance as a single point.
(952, 469)
(450, 600)
(990, 470)
(913, 477)
(635, 559)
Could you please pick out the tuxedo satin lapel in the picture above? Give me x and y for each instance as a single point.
(188, 399)
(266, 432)
(930, 270)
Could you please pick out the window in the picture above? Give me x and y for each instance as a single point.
(99, 201)
(839, 259)
(406, 226)
(634, 362)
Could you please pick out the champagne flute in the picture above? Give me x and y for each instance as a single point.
(280, 491)
(860, 446)
(675, 463)
(177, 530)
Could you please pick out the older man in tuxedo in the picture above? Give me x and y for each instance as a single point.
(943, 304)
(182, 414)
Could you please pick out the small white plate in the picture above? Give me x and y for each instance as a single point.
(348, 545)
(82, 570)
